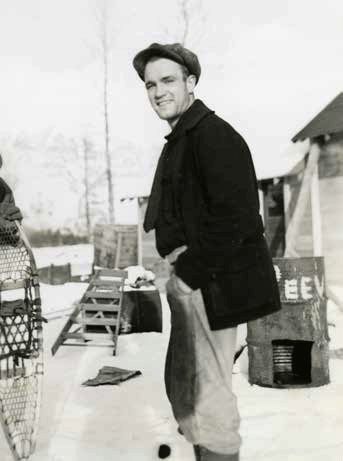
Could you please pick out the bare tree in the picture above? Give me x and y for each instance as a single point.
(191, 22)
(185, 14)
(73, 160)
(104, 49)
(86, 150)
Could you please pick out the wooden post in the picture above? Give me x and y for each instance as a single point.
(294, 224)
(139, 232)
(118, 252)
(316, 219)
(286, 200)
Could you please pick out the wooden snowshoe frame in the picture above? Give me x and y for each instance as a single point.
(21, 341)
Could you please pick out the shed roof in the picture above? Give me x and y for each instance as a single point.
(329, 120)
(287, 161)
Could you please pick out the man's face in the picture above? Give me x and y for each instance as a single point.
(168, 90)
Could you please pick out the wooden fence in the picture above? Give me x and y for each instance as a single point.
(58, 275)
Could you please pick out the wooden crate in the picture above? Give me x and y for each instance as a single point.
(115, 245)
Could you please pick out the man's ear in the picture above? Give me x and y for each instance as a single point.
(191, 82)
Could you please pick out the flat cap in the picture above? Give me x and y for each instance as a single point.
(175, 51)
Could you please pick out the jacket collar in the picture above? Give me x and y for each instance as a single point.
(189, 119)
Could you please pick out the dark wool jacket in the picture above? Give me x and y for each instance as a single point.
(227, 255)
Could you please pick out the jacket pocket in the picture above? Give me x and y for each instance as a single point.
(245, 284)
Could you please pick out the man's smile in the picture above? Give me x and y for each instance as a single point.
(163, 103)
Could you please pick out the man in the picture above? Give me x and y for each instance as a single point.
(204, 208)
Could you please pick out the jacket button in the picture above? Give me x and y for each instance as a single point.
(213, 276)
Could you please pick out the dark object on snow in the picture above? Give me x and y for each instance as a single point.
(111, 375)
(164, 451)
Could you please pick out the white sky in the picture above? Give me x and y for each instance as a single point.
(268, 66)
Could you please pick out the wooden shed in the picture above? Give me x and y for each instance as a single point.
(320, 232)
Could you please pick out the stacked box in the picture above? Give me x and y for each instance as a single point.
(108, 238)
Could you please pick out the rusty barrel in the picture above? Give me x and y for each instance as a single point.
(291, 347)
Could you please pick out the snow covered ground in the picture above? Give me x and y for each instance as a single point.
(60, 255)
(129, 422)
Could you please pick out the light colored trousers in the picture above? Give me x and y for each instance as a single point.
(198, 373)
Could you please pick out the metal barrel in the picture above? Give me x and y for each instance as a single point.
(290, 348)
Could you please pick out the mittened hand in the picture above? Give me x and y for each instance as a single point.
(10, 212)
(14, 213)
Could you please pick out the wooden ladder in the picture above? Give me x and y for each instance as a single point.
(96, 317)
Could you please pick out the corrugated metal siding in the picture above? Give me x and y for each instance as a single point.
(329, 120)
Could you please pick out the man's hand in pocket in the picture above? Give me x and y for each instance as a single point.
(172, 257)
(181, 285)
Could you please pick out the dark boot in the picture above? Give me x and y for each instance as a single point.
(203, 454)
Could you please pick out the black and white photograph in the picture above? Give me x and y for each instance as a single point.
(171, 230)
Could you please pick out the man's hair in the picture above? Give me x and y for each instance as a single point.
(185, 72)
(184, 69)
